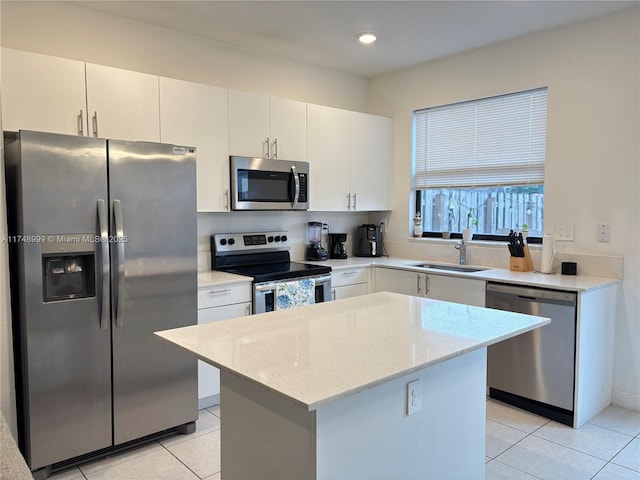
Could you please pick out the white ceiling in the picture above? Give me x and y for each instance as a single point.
(323, 32)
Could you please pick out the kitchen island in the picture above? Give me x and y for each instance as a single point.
(322, 392)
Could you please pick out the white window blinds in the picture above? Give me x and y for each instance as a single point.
(488, 142)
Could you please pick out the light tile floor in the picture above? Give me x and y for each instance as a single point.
(519, 445)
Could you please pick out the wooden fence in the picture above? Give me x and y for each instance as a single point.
(497, 210)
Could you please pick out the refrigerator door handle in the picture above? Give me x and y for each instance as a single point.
(117, 215)
(104, 252)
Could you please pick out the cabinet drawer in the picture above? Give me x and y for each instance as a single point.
(348, 291)
(224, 295)
(349, 276)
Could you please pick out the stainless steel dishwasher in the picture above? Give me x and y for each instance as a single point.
(536, 370)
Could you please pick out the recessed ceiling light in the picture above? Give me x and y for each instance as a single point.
(366, 37)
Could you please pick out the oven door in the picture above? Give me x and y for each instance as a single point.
(266, 184)
(264, 294)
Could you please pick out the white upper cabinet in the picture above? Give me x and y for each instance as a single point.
(329, 146)
(196, 115)
(267, 127)
(349, 152)
(43, 93)
(122, 104)
(288, 120)
(371, 161)
(350, 160)
(248, 124)
(52, 94)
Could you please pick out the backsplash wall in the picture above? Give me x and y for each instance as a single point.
(295, 223)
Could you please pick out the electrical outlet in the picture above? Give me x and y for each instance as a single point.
(604, 232)
(414, 397)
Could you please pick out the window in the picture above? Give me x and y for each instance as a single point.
(480, 165)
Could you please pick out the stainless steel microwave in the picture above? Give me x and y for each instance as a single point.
(268, 184)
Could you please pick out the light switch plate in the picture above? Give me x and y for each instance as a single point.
(564, 231)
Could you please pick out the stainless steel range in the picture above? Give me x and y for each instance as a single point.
(265, 257)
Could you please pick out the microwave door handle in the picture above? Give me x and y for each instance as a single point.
(296, 181)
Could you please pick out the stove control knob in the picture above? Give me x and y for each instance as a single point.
(277, 238)
(223, 241)
(284, 238)
(231, 241)
(270, 239)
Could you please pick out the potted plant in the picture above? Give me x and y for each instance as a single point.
(467, 233)
(448, 222)
(525, 230)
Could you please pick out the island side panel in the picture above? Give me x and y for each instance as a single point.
(369, 435)
(595, 334)
(263, 435)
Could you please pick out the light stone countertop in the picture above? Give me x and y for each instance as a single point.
(574, 283)
(212, 278)
(321, 353)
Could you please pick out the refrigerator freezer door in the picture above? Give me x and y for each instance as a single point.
(154, 285)
(56, 182)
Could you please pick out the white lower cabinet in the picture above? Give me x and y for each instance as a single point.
(218, 303)
(449, 288)
(350, 282)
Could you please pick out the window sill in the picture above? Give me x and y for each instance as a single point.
(475, 243)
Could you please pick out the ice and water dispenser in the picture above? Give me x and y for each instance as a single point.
(68, 267)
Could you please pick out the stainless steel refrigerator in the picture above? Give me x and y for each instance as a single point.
(102, 240)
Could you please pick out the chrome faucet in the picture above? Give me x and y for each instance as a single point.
(463, 252)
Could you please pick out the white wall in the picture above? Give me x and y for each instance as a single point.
(593, 146)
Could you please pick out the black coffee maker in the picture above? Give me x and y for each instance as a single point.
(336, 245)
(368, 241)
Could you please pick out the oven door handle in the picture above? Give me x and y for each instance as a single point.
(266, 287)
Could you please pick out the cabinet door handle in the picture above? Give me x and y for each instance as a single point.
(81, 124)
(418, 289)
(94, 121)
(275, 148)
(349, 274)
(217, 292)
(355, 206)
(247, 309)
(226, 200)
(348, 201)
(268, 145)
(333, 294)
(427, 285)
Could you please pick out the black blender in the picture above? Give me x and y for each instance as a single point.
(315, 251)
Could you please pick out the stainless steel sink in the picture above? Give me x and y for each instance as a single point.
(452, 268)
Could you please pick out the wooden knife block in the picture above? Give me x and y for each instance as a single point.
(521, 264)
